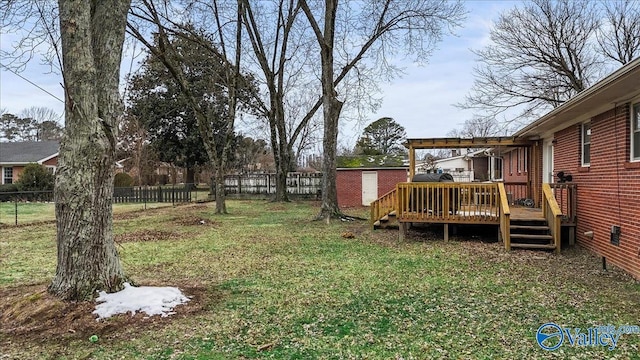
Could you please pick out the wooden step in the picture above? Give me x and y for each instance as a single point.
(531, 237)
(524, 220)
(530, 227)
(384, 218)
(533, 246)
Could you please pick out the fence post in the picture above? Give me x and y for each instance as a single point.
(16, 207)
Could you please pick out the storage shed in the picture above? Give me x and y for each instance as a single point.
(361, 186)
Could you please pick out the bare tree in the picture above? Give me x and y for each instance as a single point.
(381, 27)
(229, 77)
(92, 36)
(543, 52)
(478, 127)
(283, 55)
(619, 34)
(36, 25)
(46, 122)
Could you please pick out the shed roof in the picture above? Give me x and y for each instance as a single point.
(27, 151)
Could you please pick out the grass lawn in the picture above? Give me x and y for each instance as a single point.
(268, 282)
(31, 212)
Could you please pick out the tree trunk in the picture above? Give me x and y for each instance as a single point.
(221, 196)
(92, 36)
(191, 176)
(279, 145)
(329, 208)
(331, 108)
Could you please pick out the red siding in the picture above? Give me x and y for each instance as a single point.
(51, 162)
(608, 192)
(510, 171)
(349, 184)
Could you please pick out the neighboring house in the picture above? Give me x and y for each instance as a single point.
(14, 156)
(361, 186)
(478, 165)
(595, 138)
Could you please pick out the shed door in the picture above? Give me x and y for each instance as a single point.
(369, 187)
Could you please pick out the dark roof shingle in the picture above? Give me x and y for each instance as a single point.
(28, 151)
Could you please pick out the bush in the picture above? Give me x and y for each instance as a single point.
(35, 177)
(123, 180)
(7, 188)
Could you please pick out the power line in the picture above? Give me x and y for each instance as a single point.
(32, 83)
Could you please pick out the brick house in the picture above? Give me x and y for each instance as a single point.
(361, 186)
(595, 138)
(14, 156)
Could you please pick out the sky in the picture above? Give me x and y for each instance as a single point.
(422, 100)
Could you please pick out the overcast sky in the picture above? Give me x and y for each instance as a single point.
(421, 101)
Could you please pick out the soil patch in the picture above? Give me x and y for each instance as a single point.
(192, 220)
(147, 235)
(29, 314)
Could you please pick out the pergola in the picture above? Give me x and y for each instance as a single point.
(532, 146)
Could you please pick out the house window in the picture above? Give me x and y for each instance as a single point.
(586, 144)
(635, 132)
(496, 171)
(7, 175)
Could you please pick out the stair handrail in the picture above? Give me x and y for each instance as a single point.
(505, 217)
(384, 205)
(551, 211)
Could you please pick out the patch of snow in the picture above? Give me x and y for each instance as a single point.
(151, 300)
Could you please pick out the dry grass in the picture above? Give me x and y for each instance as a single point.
(268, 281)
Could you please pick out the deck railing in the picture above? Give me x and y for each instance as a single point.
(565, 195)
(448, 203)
(551, 211)
(505, 217)
(517, 192)
(383, 206)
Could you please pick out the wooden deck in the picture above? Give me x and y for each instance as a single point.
(524, 213)
(481, 203)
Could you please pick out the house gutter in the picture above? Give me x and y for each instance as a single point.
(582, 96)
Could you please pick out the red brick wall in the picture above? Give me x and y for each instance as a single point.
(510, 171)
(609, 190)
(51, 162)
(388, 178)
(349, 184)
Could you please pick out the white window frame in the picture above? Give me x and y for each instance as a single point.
(583, 143)
(4, 169)
(634, 122)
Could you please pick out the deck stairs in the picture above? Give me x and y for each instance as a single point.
(531, 231)
(388, 221)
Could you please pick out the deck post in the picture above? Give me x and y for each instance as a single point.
(572, 235)
(412, 162)
(446, 232)
(402, 235)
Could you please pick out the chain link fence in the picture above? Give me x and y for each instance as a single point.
(28, 207)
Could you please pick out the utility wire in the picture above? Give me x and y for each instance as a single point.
(31, 82)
